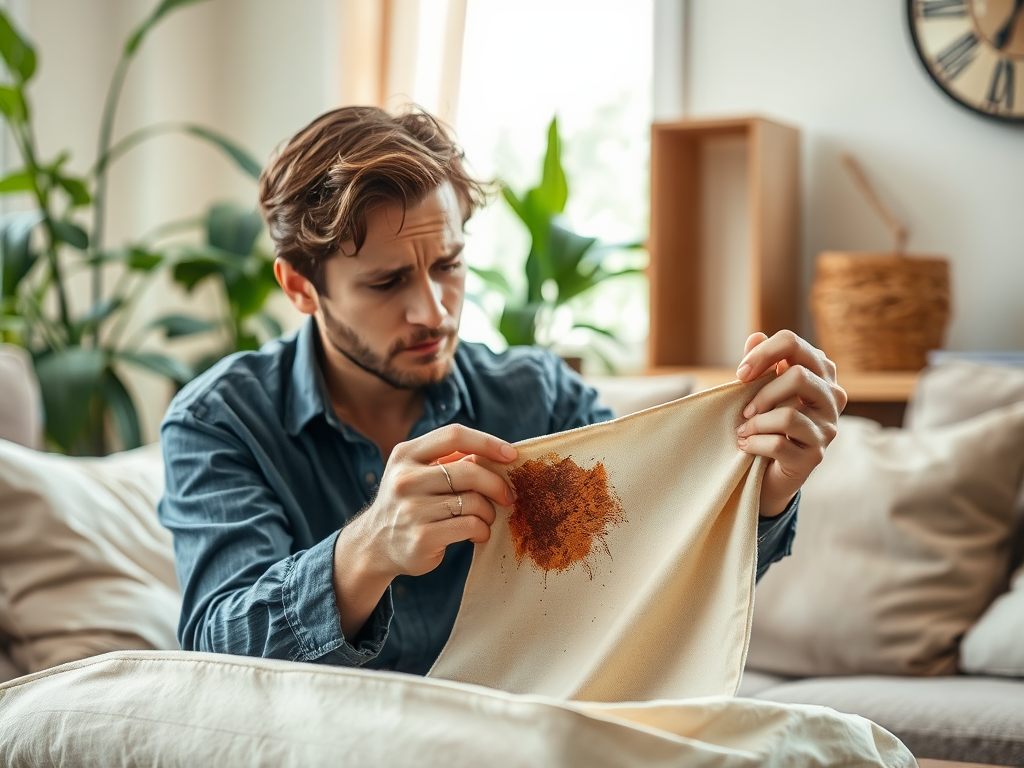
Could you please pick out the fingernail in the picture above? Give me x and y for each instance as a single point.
(741, 429)
(749, 411)
(508, 451)
(742, 442)
(743, 371)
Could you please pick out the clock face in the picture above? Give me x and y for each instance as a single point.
(974, 50)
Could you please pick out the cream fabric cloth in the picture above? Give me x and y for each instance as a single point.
(664, 611)
(135, 708)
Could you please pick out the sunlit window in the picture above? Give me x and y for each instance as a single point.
(589, 63)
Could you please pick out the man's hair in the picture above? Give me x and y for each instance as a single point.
(315, 193)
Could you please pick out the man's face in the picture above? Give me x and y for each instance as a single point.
(394, 308)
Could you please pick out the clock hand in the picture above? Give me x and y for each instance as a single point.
(1003, 35)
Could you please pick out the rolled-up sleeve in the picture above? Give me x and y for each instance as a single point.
(243, 590)
(775, 536)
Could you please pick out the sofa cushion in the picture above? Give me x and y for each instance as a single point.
(21, 405)
(629, 394)
(995, 644)
(85, 567)
(949, 718)
(902, 544)
(958, 390)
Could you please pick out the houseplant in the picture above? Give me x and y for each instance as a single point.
(80, 356)
(560, 266)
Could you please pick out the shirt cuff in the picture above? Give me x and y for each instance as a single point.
(312, 612)
(775, 536)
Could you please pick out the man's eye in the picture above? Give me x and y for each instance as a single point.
(451, 266)
(385, 286)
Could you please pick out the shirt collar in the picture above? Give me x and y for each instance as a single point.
(307, 396)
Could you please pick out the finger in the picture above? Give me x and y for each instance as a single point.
(457, 456)
(784, 346)
(464, 528)
(787, 421)
(472, 504)
(752, 341)
(469, 476)
(454, 438)
(796, 384)
(790, 457)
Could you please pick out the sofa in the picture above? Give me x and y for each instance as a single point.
(897, 604)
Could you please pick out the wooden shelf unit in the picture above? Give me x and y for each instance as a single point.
(681, 309)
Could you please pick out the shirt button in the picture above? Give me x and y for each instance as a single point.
(444, 407)
(370, 478)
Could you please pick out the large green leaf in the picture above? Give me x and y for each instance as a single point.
(493, 278)
(76, 190)
(70, 233)
(233, 229)
(122, 410)
(248, 290)
(242, 158)
(553, 190)
(166, 366)
(178, 326)
(143, 29)
(16, 256)
(519, 325)
(12, 105)
(566, 251)
(94, 316)
(69, 379)
(19, 56)
(19, 181)
(193, 265)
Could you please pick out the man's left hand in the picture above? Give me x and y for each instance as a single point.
(793, 418)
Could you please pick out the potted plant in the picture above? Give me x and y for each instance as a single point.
(79, 357)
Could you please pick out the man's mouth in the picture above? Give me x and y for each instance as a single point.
(426, 348)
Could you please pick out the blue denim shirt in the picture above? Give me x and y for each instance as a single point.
(261, 476)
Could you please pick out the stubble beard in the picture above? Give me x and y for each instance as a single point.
(348, 343)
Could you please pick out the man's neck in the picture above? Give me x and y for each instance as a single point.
(379, 410)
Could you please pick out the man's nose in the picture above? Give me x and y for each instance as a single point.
(426, 307)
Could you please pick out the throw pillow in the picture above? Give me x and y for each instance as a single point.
(85, 567)
(956, 391)
(21, 405)
(902, 543)
(995, 644)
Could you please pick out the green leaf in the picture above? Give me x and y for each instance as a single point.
(242, 158)
(553, 190)
(16, 256)
(598, 330)
(142, 260)
(19, 56)
(166, 366)
(69, 379)
(143, 29)
(566, 251)
(70, 233)
(76, 190)
(493, 278)
(519, 325)
(19, 181)
(233, 229)
(248, 290)
(270, 324)
(122, 410)
(96, 314)
(178, 326)
(193, 265)
(12, 104)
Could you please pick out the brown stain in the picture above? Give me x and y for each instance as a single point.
(561, 512)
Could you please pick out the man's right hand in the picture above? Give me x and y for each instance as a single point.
(415, 515)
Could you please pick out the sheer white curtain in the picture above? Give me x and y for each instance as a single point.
(396, 52)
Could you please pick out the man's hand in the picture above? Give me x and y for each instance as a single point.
(416, 515)
(793, 418)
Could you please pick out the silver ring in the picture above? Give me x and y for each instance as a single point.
(448, 478)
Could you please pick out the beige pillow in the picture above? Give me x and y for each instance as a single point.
(956, 391)
(629, 394)
(901, 545)
(85, 567)
(21, 414)
(995, 644)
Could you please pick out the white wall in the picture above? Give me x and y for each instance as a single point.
(847, 75)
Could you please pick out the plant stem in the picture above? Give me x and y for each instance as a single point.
(100, 196)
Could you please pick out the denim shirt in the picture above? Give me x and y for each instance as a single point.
(261, 475)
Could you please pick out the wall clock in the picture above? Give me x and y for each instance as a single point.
(974, 50)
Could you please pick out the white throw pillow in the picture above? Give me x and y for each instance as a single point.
(995, 644)
(903, 542)
(85, 567)
(629, 394)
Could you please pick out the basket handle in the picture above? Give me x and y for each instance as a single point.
(899, 232)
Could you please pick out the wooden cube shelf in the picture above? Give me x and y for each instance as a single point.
(724, 241)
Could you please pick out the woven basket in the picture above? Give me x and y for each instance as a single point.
(880, 312)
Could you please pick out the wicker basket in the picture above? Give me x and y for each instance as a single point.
(880, 312)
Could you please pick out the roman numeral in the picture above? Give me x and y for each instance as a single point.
(932, 9)
(1000, 90)
(958, 55)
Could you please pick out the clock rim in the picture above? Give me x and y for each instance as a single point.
(1005, 119)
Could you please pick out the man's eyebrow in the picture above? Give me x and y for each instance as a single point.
(391, 274)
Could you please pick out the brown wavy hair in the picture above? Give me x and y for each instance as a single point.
(316, 191)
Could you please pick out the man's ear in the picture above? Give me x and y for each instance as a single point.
(298, 289)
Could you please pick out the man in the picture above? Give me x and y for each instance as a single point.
(322, 492)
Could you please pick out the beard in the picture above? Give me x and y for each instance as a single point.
(348, 343)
